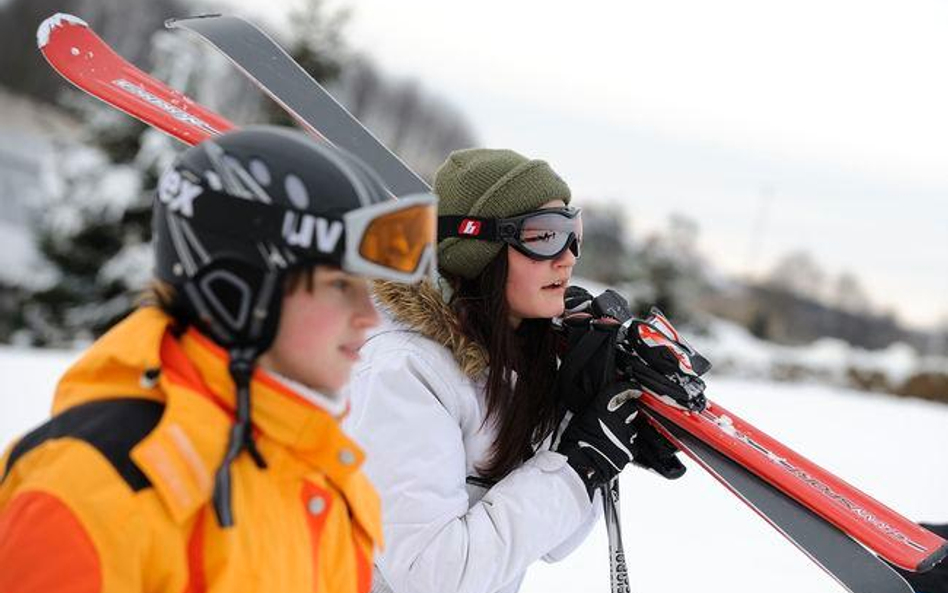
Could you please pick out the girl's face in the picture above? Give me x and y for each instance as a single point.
(535, 289)
(321, 330)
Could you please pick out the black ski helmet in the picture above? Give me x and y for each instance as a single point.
(235, 213)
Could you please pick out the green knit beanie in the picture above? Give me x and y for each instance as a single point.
(490, 184)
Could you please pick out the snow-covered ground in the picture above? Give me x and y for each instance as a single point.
(691, 535)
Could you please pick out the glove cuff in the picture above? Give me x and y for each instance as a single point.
(587, 467)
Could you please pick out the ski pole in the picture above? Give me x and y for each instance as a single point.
(618, 571)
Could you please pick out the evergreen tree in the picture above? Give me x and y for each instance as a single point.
(608, 253)
(675, 268)
(92, 223)
(92, 226)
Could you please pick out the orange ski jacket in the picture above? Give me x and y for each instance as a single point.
(113, 493)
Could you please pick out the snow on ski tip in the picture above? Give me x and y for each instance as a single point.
(85, 60)
(45, 29)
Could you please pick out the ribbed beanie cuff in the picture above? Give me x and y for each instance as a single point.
(490, 184)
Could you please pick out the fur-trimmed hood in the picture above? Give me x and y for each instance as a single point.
(421, 308)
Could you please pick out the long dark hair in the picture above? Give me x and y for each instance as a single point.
(525, 411)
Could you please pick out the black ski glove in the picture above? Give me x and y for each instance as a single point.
(587, 351)
(653, 353)
(654, 452)
(590, 328)
(598, 442)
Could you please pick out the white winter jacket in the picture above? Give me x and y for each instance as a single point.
(421, 421)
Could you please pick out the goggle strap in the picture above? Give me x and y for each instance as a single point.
(318, 237)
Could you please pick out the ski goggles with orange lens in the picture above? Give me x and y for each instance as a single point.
(392, 240)
(540, 235)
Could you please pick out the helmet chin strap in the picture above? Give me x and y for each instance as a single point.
(242, 363)
(243, 360)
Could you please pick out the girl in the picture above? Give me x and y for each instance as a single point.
(453, 398)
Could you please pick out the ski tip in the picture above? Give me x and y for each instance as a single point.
(59, 19)
(173, 22)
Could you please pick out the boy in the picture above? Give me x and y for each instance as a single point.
(264, 239)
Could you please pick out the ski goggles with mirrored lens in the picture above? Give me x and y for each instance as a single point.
(541, 235)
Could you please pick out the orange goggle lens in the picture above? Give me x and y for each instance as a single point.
(398, 240)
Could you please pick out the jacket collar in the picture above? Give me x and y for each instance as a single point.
(422, 308)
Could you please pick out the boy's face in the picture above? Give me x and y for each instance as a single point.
(321, 331)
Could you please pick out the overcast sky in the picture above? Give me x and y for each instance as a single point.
(778, 126)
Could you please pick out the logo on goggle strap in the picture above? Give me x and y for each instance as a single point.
(470, 228)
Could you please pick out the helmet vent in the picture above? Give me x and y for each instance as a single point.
(229, 295)
(260, 172)
(296, 192)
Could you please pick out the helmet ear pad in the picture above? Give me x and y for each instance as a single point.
(236, 302)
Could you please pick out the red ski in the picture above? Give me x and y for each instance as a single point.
(85, 60)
